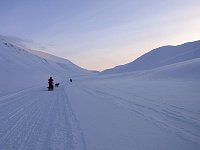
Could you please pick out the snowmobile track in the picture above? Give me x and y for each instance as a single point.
(37, 119)
(169, 118)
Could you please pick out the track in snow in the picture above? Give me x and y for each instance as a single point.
(39, 119)
(179, 121)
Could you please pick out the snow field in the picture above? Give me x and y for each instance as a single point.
(136, 114)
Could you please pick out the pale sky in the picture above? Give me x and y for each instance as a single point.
(99, 34)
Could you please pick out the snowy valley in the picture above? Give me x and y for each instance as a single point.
(150, 103)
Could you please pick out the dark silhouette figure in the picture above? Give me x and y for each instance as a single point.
(50, 81)
(70, 80)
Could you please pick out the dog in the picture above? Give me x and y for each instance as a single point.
(57, 84)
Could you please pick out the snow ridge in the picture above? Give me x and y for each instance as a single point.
(159, 57)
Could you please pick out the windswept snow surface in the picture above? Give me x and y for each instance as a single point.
(126, 112)
(105, 112)
(113, 112)
(39, 119)
(141, 110)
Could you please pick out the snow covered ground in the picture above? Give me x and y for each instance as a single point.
(130, 113)
(103, 113)
(140, 110)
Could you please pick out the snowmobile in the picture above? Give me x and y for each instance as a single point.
(50, 87)
(50, 82)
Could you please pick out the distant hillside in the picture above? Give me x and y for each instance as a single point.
(69, 67)
(158, 57)
(19, 65)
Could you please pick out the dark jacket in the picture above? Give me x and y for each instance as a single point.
(50, 81)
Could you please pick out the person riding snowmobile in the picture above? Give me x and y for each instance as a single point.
(50, 81)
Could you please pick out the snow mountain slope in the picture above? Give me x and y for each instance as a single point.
(20, 65)
(182, 71)
(159, 57)
(61, 62)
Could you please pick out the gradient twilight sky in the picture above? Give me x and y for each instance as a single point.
(99, 34)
